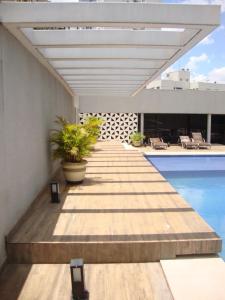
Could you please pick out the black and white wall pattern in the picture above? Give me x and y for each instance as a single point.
(117, 126)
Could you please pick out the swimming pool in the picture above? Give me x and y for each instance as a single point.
(201, 181)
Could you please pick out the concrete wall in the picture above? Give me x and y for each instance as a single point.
(30, 98)
(169, 85)
(158, 101)
(208, 86)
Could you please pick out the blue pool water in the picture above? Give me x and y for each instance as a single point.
(201, 181)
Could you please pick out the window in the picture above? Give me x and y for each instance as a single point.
(218, 129)
(171, 126)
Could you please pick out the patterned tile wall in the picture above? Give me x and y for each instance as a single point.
(117, 126)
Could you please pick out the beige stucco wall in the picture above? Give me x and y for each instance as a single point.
(30, 98)
(158, 101)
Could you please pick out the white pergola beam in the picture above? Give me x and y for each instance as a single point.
(154, 49)
(106, 71)
(107, 53)
(103, 87)
(107, 87)
(103, 63)
(131, 15)
(111, 82)
(108, 38)
(101, 83)
(103, 93)
(195, 40)
(105, 77)
(104, 81)
(115, 87)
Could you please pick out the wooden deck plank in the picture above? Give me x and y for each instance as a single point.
(121, 201)
(103, 281)
(118, 202)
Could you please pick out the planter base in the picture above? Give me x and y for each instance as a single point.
(74, 182)
(137, 144)
(74, 172)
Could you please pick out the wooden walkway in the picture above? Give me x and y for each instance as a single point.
(103, 281)
(197, 278)
(124, 211)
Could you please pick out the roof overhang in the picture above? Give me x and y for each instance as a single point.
(127, 46)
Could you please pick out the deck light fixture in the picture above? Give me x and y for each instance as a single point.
(77, 280)
(55, 192)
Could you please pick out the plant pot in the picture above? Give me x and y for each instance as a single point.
(74, 172)
(137, 143)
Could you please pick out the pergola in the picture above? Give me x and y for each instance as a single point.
(108, 48)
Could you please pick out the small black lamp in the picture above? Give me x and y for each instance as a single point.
(77, 280)
(55, 192)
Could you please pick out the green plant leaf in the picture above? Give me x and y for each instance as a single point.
(71, 142)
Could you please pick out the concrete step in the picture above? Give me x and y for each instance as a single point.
(195, 279)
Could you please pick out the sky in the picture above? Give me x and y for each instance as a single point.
(206, 60)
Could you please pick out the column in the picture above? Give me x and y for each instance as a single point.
(209, 120)
(142, 123)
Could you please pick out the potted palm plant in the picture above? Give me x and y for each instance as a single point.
(71, 143)
(137, 139)
(93, 125)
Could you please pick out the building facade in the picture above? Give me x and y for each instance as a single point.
(171, 126)
(181, 80)
(164, 119)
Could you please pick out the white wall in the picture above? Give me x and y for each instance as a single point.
(30, 98)
(172, 85)
(179, 75)
(169, 85)
(208, 86)
(156, 84)
(158, 101)
(181, 79)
